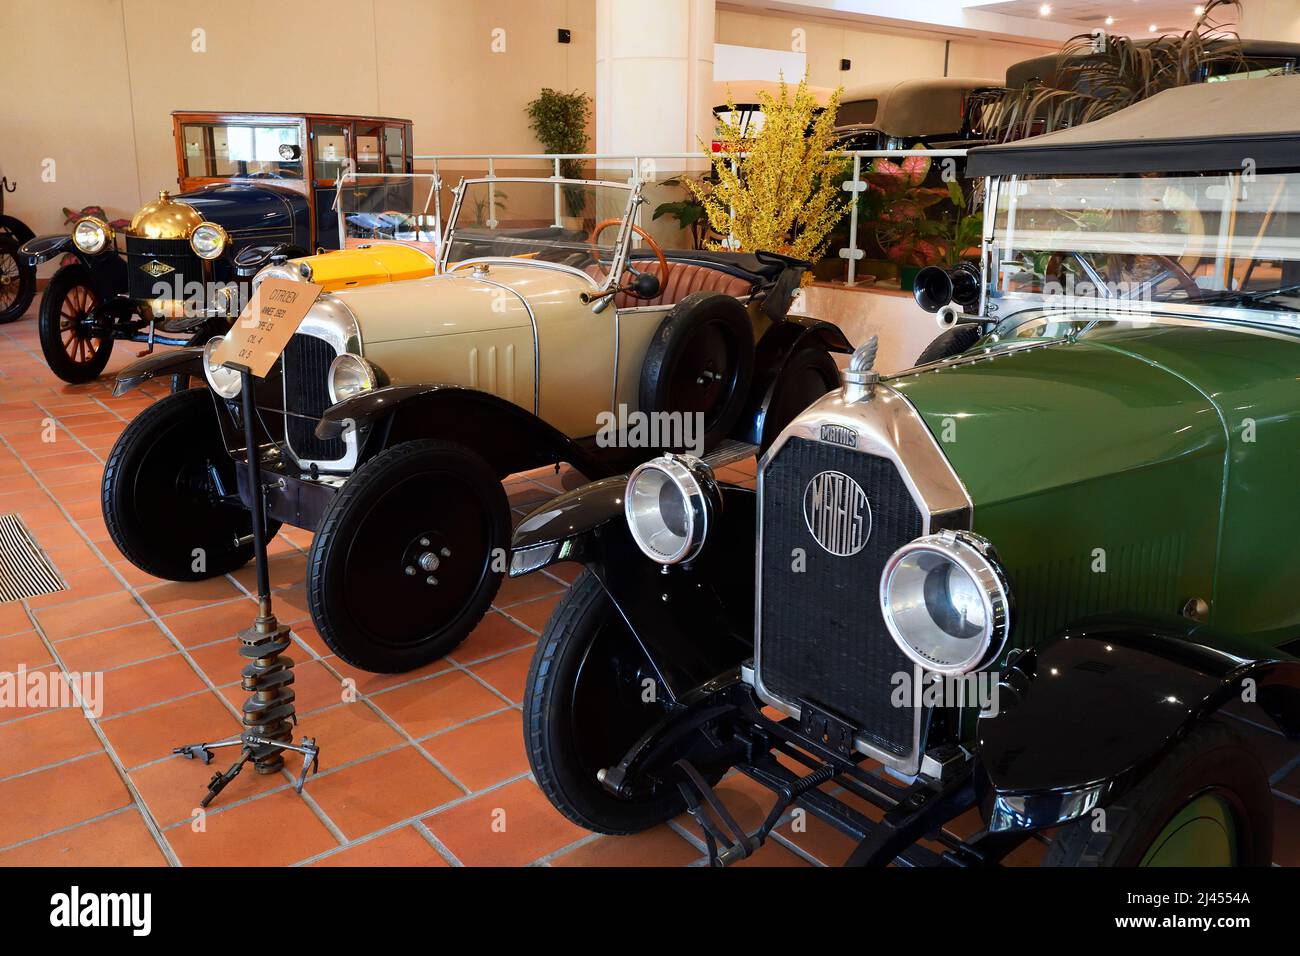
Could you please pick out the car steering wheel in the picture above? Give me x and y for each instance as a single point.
(654, 246)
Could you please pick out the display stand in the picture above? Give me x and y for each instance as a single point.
(268, 714)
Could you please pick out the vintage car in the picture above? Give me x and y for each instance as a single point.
(17, 275)
(1040, 579)
(398, 407)
(910, 114)
(253, 187)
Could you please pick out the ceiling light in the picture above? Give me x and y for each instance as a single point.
(1151, 28)
(1110, 21)
(1045, 10)
(1199, 10)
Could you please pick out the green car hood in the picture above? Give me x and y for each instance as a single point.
(1102, 467)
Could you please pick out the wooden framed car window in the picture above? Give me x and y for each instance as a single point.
(216, 147)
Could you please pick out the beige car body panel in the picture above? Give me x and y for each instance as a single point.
(517, 329)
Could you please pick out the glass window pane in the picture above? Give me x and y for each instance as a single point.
(241, 150)
(331, 145)
(393, 150)
(369, 138)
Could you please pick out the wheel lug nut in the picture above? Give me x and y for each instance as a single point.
(428, 561)
(431, 580)
(410, 569)
(424, 542)
(446, 553)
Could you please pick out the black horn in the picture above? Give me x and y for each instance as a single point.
(935, 286)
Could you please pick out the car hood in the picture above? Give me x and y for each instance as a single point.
(456, 303)
(240, 207)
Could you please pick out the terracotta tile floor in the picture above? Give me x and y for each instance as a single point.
(425, 768)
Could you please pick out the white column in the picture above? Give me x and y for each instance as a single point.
(1270, 20)
(654, 76)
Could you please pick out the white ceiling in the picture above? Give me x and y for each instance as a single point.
(1131, 16)
(1019, 19)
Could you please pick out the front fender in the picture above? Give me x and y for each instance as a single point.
(250, 260)
(185, 361)
(510, 438)
(16, 228)
(694, 622)
(1084, 718)
(771, 354)
(44, 248)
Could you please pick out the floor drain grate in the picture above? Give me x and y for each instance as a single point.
(24, 570)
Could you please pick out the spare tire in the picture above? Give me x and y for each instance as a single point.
(701, 361)
(951, 342)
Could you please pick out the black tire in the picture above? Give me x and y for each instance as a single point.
(951, 342)
(701, 360)
(75, 351)
(574, 727)
(1212, 759)
(807, 375)
(17, 282)
(416, 499)
(157, 495)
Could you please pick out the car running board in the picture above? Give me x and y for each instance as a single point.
(728, 451)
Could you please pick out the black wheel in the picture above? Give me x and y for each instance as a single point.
(808, 374)
(76, 341)
(584, 707)
(17, 281)
(1206, 804)
(162, 505)
(408, 556)
(700, 362)
(950, 342)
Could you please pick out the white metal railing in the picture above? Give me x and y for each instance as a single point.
(645, 166)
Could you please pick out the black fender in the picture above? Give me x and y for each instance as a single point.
(694, 621)
(107, 269)
(16, 228)
(771, 354)
(249, 260)
(509, 438)
(1082, 719)
(182, 361)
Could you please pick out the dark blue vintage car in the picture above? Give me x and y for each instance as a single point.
(253, 187)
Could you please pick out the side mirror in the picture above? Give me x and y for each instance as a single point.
(935, 286)
(645, 285)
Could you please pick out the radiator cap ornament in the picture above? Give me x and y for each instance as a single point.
(860, 378)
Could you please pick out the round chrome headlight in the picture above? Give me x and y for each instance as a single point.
(208, 241)
(946, 602)
(224, 381)
(91, 235)
(667, 505)
(273, 272)
(351, 375)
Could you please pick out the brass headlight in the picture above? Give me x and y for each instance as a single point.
(91, 235)
(209, 240)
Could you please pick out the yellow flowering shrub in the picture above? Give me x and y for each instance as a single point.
(784, 194)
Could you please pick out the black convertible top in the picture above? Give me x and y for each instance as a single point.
(1210, 127)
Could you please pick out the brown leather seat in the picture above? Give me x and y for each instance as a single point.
(683, 279)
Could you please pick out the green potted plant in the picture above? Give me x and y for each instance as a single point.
(895, 204)
(560, 122)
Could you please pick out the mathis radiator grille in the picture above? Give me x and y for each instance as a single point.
(306, 363)
(822, 637)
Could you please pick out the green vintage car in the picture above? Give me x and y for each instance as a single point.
(1032, 577)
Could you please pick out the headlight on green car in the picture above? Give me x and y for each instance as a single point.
(351, 375)
(91, 235)
(208, 240)
(667, 505)
(946, 602)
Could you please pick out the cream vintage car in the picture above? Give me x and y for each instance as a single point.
(398, 407)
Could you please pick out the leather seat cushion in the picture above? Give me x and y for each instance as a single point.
(683, 279)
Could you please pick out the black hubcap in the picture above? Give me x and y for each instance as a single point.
(705, 375)
(404, 589)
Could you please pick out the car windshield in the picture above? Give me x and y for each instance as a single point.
(242, 151)
(399, 207)
(1220, 239)
(572, 223)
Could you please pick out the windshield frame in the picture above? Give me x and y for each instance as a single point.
(622, 241)
(1006, 309)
